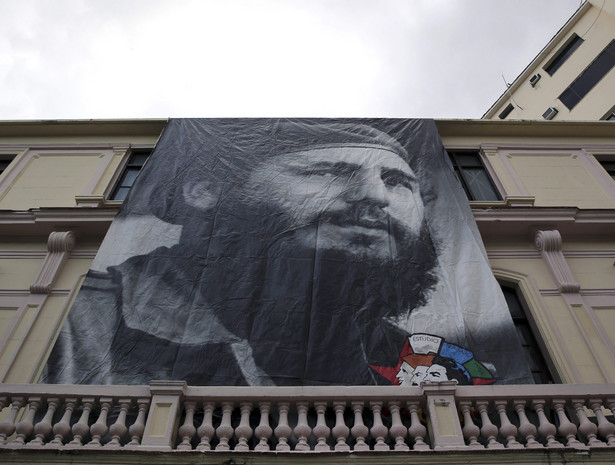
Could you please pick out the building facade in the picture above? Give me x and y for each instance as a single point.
(573, 76)
(543, 197)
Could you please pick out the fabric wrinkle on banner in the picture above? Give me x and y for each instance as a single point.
(292, 252)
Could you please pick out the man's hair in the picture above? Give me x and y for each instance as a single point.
(231, 148)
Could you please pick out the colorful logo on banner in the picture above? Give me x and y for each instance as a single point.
(426, 357)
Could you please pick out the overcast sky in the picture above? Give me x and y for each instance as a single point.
(147, 58)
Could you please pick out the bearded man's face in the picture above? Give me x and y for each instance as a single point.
(363, 200)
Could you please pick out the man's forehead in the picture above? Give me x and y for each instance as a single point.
(364, 155)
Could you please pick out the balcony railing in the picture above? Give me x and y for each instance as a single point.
(168, 415)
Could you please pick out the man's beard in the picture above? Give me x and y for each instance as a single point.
(305, 305)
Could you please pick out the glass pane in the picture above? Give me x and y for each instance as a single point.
(467, 159)
(479, 184)
(129, 177)
(138, 159)
(121, 193)
(569, 98)
(563, 55)
(594, 72)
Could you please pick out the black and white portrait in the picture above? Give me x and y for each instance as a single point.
(287, 252)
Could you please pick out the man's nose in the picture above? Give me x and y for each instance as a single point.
(369, 188)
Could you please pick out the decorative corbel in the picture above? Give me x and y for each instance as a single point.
(59, 246)
(549, 243)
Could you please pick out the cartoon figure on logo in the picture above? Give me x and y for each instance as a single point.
(426, 357)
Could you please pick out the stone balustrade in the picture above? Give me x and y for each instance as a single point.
(171, 416)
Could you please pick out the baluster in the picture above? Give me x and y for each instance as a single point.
(417, 430)
(25, 427)
(470, 430)
(100, 428)
(398, 431)
(7, 427)
(224, 432)
(378, 430)
(321, 430)
(61, 429)
(302, 430)
(187, 430)
(118, 429)
(138, 427)
(507, 429)
(81, 428)
(566, 427)
(586, 428)
(340, 430)
(206, 430)
(489, 431)
(283, 431)
(243, 432)
(526, 429)
(43, 428)
(606, 429)
(546, 429)
(263, 431)
(359, 430)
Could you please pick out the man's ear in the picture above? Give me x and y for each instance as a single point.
(198, 194)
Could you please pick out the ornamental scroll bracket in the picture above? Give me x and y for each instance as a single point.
(59, 246)
(549, 243)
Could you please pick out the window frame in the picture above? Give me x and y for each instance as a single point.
(561, 56)
(536, 344)
(462, 177)
(7, 158)
(126, 167)
(580, 92)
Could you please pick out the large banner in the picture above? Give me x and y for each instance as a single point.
(292, 252)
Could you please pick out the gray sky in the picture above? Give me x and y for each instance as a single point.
(148, 58)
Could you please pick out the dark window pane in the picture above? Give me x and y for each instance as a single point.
(479, 184)
(563, 54)
(121, 193)
(473, 176)
(569, 98)
(590, 77)
(138, 159)
(131, 171)
(468, 159)
(129, 177)
(532, 353)
(506, 111)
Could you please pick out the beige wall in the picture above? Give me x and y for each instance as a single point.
(57, 166)
(555, 173)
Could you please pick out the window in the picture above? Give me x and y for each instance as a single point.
(563, 54)
(129, 175)
(590, 77)
(531, 349)
(609, 167)
(474, 176)
(5, 161)
(610, 115)
(506, 111)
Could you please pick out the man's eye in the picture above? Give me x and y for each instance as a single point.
(395, 179)
(324, 172)
(435, 375)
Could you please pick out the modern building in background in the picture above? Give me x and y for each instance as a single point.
(573, 76)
